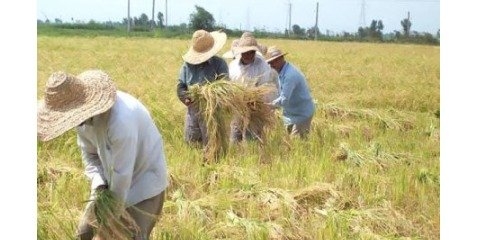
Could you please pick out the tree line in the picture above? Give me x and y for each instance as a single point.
(202, 19)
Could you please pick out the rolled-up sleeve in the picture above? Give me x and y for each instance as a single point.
(182, 85)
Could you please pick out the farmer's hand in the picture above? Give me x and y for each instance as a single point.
(188, 101)
(270, 104)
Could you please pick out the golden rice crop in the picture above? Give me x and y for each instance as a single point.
(222, 100)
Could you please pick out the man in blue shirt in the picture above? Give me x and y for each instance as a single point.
(295, 97)
(201, 66)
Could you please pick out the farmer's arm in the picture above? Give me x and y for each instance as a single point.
(91, 161)
(182, 86)
(124, 140)
(286, 91)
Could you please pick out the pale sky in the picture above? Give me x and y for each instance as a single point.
(272, 15)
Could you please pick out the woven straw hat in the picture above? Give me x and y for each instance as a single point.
(273, 53)
(263, 49)
(70, 100)
(204, 45)
(247, 34)
(246, 43)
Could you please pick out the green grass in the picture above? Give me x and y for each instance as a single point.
(374, 142)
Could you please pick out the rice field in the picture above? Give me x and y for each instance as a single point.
(370, 169)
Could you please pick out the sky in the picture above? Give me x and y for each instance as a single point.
(335, 16)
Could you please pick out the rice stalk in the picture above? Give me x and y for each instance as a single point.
(111, 221)
(319, 194)
(391, 120)
(374, 155)
(220, 101)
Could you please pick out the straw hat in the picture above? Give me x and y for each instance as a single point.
(204, 45)
(230, 53)
(70, 100)
(246, 43)
(273, 53)
(247, 34)
(263, 49)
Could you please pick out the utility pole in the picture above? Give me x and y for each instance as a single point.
(409, 24)
(247, 20)
(129, 20)
(153, 15)
(289, 21)
(166, 13)
(362, 16)
(316, 30)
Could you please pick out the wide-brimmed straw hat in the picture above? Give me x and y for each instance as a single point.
(204, 45)
(245, 44)
(70, 100)
(273, 53)
(263, 49)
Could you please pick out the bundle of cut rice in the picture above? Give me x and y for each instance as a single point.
(219, 101)
(112, 221)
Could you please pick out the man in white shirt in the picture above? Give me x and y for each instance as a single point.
(250, 68)
(121, 147)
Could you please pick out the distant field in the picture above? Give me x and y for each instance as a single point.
(370, 169)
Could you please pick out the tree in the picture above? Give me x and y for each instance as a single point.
(125, 21)
(375, 29)
(406, 26)
(311, 32)
(161, 20)
(297, 30)
(143, 20)
(201, 19)
(363, 32)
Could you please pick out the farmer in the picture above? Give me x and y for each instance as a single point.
(200, 66)
(251, 69)
(295, 97)
(230, 54)
(121, 148)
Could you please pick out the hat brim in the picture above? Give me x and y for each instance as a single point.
(240, 50)
(100, 97)
(275, 57)
(194, 57)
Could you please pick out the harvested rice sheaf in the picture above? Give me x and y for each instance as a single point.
(112, 221)
(220, 101)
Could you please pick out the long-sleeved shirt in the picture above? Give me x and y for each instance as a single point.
(213, 69)
(256, 73)
(123, 149)
(295, 97)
